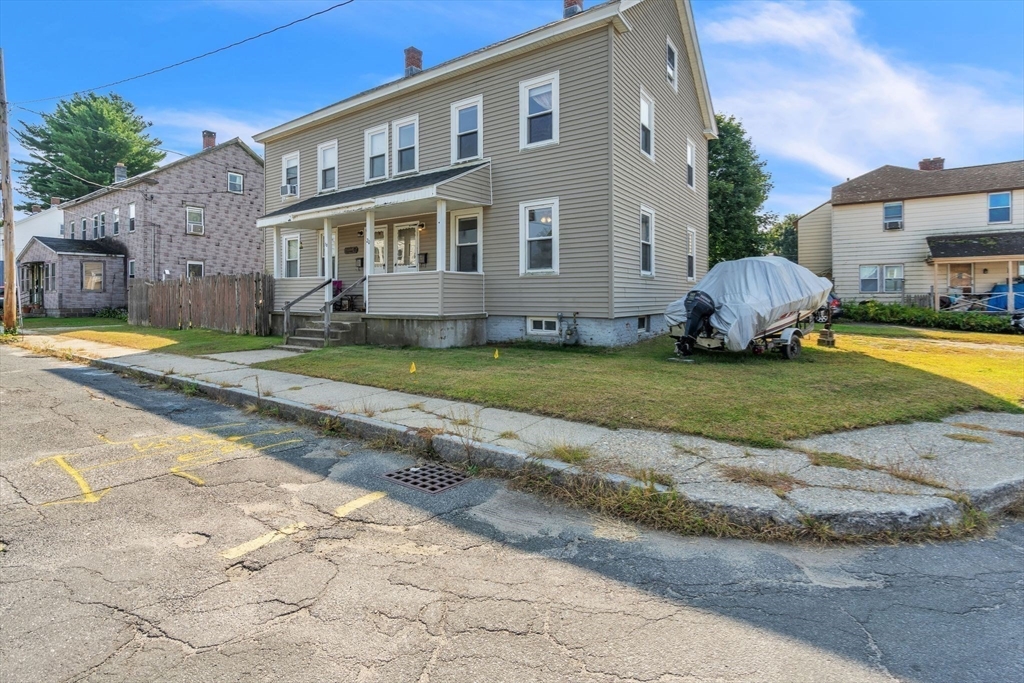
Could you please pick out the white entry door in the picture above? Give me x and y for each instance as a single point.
(380, 252)
(407, 247)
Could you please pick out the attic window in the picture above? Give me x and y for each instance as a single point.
(670, 63)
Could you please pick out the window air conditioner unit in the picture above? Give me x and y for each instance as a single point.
(195, 229)
(290, 190)
(892, 225)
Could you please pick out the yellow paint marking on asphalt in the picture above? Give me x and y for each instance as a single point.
(279, 443)
(238, 437)
(358, 503)
(185, 475)
(226, 424)
(264, 540)
(88, 495)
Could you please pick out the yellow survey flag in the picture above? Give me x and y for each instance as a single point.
(412, 369)
(495, 353)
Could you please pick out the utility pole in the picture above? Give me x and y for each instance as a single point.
(10, 285)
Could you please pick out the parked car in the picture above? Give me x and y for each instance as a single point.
(835, 303)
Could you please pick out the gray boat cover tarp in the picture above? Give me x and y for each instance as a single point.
(752, 293)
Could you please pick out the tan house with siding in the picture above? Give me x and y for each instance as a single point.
(931, 235)
(551, 187)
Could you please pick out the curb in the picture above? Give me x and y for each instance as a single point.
(939, 512)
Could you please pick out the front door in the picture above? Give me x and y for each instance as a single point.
(407, 247)
(961, 276)
(380, 252)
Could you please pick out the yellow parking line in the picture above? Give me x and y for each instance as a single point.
(265, 539)
(88, 495)
(358, 503)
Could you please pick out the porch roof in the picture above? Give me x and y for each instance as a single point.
(988, 246)
(59, 245)
(469, 184)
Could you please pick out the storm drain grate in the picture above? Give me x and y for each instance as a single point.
(429, 478)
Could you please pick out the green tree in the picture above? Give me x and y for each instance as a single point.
(86, 135)
(780, 239)
(738, 186)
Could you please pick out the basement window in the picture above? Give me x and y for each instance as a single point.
(542, 326)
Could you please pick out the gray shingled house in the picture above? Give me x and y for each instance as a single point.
(62, 277)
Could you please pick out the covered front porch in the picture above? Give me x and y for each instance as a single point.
(978, 272)
(407, 250)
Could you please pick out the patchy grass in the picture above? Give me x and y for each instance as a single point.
(574, 455)
(754, 400)
(927, 334)
(54, 323)
(839, 460)
(970, 438)
(193, 342)
(780, 482)
(508, 434)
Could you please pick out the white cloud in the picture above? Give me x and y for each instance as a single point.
(811, 89)
(181, 130)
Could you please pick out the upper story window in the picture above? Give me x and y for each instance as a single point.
(103, 223)
(646, 241)
(691, 161)
(691, 254)
(95, 226)
(131, 217)
(467, 129)
(290, 175)
(376, 149)
(670, 63)
(892, 216)
(327, 166)
(235, 182)
(538, 236)
(999, 207)
(62, 230)
(538, 111)
(194, 220)
(646, 124)
(405, 133)
(117, 220)
(85, 228)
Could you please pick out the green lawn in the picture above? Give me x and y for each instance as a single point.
(900, 332)
(866, 380)
(182, 342)
(43, 323)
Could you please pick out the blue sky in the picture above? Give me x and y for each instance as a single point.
(828, 90)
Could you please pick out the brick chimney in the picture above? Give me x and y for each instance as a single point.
(36, 208)
(209, 139)
(571, 8)
(413, 61)
(120, 172)
(54, 201)
(934, 164)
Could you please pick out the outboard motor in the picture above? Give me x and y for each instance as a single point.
(699, 307)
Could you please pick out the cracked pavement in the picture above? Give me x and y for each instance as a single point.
(120, 574)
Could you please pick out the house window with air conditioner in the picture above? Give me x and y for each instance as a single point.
(194, 223)
(892, 216)
(327, 166)
(290, 175)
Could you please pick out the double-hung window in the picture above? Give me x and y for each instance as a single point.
(376, 152)
(291, 256)
(131, 268)
(405, 134)
(194, 269)
(103, 224)
(85, 228)
(869, 278)
(646, 124)
(691, 254)
(691, 161)
(235, 182)
(117, 220)
(467, 129)
(892, 216)
(892, 278)
(538, 111)
(467, 243)
(194, 220)
(646, 241)
(538, 236)
(131, 217)
(95, 226)
(670, 63)
(999, 207)
(92, 276)
(290, 175)
(327, 166)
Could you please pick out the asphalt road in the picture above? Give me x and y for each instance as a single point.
(149, 536)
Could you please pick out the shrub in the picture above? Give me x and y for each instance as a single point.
(117, 313)
(917, 316)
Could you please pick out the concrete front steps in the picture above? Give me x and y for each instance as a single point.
(345, 329)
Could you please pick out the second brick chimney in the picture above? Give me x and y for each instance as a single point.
(413, 61)
(933, 164)
(571, 8)
(120, 172)
(209, 139)
(54, 201)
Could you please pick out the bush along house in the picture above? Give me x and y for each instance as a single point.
(549, 187)
(191, 217)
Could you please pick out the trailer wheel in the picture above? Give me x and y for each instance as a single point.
(792, 349)
(684, 347)
(821, 316)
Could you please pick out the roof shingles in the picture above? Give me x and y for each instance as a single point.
(63, 246)
(894, 183)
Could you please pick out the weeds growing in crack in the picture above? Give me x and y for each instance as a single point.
(332, 426)
(508, 434)
(780, 482)
(190, 389)
(568, 453)
(823, 459)
(650, 476)
(970, 438)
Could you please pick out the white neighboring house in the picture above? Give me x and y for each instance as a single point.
(48, 222)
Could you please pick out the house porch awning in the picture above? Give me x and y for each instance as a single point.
(987, 246)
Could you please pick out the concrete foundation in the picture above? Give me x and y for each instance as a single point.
(590, 331)
(431, 333)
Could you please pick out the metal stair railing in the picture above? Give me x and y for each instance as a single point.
(288, 307)
(329, 306)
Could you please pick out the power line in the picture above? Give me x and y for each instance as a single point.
(191, 59)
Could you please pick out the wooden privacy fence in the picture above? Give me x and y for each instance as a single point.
(239, 304)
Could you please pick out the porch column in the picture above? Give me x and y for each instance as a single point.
(935, 286)
(328, 252)
(367, 258)
(442, 234)
(277, 252)
(1009, 287)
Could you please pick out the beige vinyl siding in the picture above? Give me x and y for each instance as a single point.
(576, 170)
(814, 240)
(408, 294)
(290, 288)
(462, 293)
(858, 239)
(474, 187)
(639, 61)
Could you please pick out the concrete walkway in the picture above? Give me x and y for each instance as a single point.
(894, 477)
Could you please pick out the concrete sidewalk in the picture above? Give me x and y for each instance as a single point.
(911, 476)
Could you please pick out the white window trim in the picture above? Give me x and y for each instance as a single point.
(879, 284)
(201, 264)
(477, 212)
(320, 168)
(646, 327)
(691, 250)
(383, 128)
(241, 178)
(674, 81)
(691, 148)
(541, 333)
(131, 217)
(478, 102)
(882, 278)
(395, 125)
(988, 209)
(116, 222)
(903, 221)
(320, 254)
(644, 96)
(524, 108)
(648, 211)
(202, 222)
(524, 229)
(284, 255)
(131, 269)
(298, 174)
